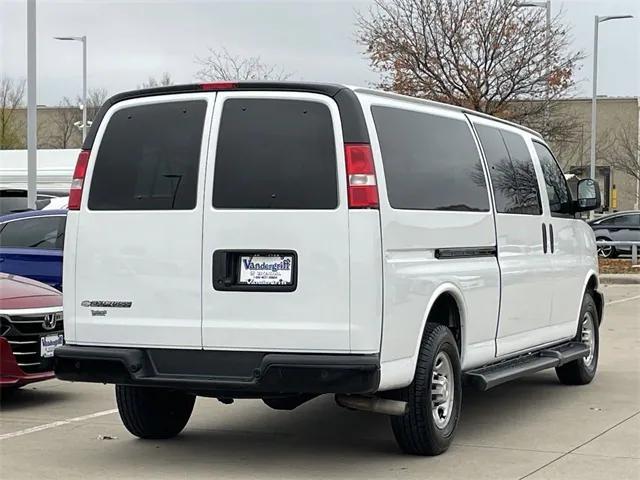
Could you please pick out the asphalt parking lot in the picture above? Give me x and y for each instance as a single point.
(533, 428)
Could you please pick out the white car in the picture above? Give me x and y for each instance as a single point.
(283, 240)
(57, 203)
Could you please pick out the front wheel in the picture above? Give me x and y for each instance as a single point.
(582, 371)
(153, 413)
(606, 251)
(434, 397)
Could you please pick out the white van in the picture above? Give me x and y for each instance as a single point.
(284, 240)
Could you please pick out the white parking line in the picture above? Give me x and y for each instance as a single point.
(623, 300)
(59, 423)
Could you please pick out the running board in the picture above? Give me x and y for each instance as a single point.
(495, 374)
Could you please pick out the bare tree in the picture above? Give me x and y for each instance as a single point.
(487, 55)
(222, 65)
(572, 150)
(626, 152)
(164, 81)
(12, 128)
(95, 98)
(63, 131)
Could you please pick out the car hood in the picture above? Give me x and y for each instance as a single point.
(19, 292)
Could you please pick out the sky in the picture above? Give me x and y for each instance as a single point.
(128, 41)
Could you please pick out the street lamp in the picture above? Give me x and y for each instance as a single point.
(597, 22)
(547, 6)
(82, 39)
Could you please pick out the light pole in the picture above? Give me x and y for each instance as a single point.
(597, 21)
(32, 108)
(547, 6)
(82, 39)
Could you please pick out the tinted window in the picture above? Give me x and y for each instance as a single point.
(623, 220)
(38, 232)
(148, 158)
(515, 185)
(11, 204)
(275, 154)
(430, 162)
(557, 189)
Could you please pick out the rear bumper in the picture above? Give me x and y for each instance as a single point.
(220, 373)
(11, 375)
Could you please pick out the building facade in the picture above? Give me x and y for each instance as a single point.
(617, 140)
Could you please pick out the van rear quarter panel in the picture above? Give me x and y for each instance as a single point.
(365, 280)
(414, 278)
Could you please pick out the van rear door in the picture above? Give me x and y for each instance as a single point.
(276, 246)
(138, 248)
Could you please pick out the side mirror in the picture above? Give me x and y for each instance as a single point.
(588, 195)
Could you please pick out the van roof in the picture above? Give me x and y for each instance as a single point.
(447, 106)
(354, 127)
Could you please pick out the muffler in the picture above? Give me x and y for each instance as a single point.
(372, 404)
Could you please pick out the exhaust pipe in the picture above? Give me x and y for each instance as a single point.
(372, 404)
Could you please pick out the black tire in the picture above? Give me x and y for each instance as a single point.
(153, 413)
(579, 372)
(606, 252)
(417, 432)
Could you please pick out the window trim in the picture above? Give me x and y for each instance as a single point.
(552, 213)
(13, 220)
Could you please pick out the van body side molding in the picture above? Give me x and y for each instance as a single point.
(465, 252)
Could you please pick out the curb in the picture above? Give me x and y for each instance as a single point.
(620, 279)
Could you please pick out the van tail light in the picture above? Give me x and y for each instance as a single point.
(361, 176)
(75, 192)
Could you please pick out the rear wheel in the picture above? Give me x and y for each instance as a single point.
(153, 413)
(434, 398)
(582, 371)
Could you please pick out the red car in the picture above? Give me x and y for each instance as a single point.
(30, 329)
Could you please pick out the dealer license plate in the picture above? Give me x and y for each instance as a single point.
(266, 270)
(49, 343)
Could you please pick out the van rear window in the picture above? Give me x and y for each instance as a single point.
(148, 158)
(274, 153)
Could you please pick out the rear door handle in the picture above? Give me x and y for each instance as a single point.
(551, 237)
(544, 238)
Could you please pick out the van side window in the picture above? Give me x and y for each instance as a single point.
(513, 176)
(275, 153)
(430, 162)
(148, 158)
(557, 189)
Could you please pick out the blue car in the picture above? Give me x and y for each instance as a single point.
(31, 245)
